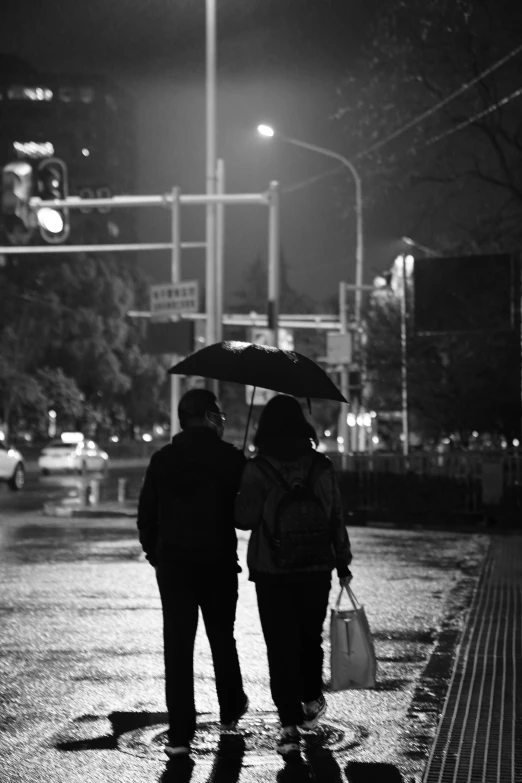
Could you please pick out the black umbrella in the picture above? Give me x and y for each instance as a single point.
(260, 366)
(287, 372)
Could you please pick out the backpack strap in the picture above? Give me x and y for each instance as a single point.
(269, 470)
(317, 466)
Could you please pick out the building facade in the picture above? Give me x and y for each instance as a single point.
(88, 123)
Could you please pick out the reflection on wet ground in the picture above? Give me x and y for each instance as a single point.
(79, 541)
(67, 487)
(221, 756)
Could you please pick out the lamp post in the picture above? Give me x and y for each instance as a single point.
(269, 132)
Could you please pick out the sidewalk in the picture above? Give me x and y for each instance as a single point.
(479, 736)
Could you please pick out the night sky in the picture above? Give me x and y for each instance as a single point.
(279, 60)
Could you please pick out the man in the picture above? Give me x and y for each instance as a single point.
(186, 529)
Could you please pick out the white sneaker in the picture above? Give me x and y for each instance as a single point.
(313, 712)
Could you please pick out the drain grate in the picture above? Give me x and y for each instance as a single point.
(479, 738)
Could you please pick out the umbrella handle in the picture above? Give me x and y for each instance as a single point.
(249, 417)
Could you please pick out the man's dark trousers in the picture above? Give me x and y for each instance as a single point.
(184, 588)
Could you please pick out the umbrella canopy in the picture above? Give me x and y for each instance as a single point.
(262, 366)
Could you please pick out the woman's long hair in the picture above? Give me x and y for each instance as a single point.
(283, 431)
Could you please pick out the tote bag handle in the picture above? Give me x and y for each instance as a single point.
(355, 603)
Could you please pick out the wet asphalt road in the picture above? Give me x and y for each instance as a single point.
(81, 670)
(59, 486)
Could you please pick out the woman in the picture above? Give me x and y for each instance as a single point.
(290, 500)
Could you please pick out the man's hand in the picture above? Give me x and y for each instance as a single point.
(345, 581)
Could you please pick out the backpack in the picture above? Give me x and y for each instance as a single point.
(295, 523)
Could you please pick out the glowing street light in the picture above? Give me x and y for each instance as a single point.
(412, 243)
(266, 130)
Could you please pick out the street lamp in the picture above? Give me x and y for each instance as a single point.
(269, 131)
(413, 243)
(266, 130)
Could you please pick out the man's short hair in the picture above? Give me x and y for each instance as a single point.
(195, 404)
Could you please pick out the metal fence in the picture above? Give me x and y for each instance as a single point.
(436, 488)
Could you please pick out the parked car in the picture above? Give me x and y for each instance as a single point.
(12, 468)
(72, 452)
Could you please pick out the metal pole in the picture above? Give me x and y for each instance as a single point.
(274, 272)
(220, 249)
(211, 169)
(404, 364)
(175, 274)
(164, 200)
(344, 430)
(175, 258)
(359, 258)
(359, 252)
(37, 249)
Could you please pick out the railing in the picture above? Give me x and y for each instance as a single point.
(433, 487)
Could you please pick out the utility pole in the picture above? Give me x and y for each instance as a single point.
(211, 46)
(274, 272)
(175, 274)
(220, 249)
(404, 363)
(343, 428)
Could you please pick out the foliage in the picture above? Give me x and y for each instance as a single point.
(67, 343)
(456, 383)
(253, 297)
(463, 191)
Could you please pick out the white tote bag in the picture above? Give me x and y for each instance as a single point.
(352, 655)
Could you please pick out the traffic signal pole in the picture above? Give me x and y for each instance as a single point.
(274, 272)
(174, 200)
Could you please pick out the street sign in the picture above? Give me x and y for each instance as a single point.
(174, 298)
(261, 336)
(338, 348)
(170, 337)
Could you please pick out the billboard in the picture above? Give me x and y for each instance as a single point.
(466, 294)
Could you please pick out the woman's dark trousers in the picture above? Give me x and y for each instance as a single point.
(292, 618)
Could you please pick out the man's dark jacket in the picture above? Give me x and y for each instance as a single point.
(186, 506)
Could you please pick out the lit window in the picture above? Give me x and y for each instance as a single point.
(34, 149)
(19, 93)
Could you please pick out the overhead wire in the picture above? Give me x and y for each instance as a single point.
(416, 120)
(470, 120)
(429, 112)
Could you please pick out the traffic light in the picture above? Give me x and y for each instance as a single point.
(17, 188)
(52, 184)
(355, 385)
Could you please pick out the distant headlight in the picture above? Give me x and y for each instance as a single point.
(13, 453)
(104, 455)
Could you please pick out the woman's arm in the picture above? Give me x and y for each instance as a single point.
(341, 542)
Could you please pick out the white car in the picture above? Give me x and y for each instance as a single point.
(11, 467)
(72, 452)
